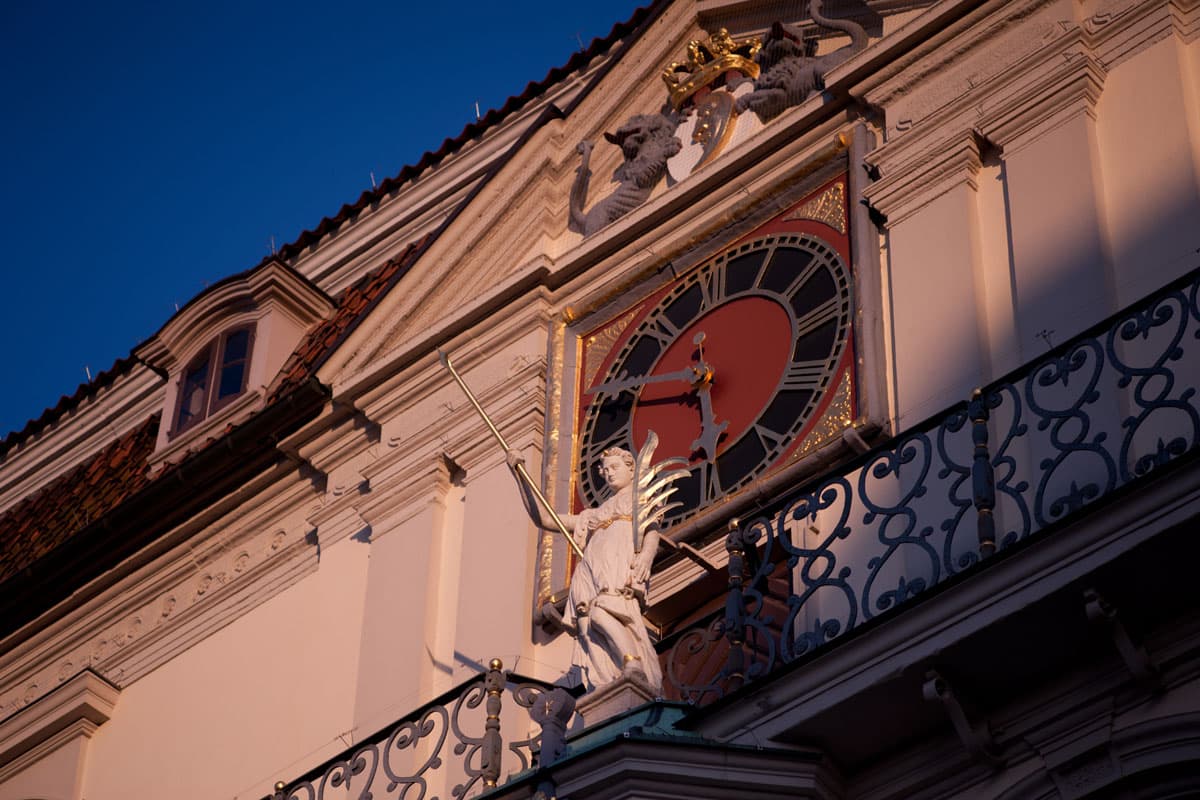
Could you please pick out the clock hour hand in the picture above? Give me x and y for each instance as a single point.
(710, 429)
(687, 375)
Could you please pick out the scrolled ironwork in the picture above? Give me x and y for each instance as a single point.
(1024, 454)
(818, 569)
(411, 759)
(1154, 383)
(885, 468)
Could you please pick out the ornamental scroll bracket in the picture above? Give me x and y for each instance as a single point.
(976, 736)
(1104, 615)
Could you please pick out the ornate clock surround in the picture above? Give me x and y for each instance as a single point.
(776, 311)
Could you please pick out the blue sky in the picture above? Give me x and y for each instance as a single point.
(150, 149)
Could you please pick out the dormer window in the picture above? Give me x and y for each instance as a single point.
(220, 353)
(214, 377)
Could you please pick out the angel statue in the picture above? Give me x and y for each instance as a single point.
(619, 539)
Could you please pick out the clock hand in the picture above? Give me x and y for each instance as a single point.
(687, 375)
(710, 429)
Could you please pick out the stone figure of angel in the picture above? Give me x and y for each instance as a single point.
(619, 539)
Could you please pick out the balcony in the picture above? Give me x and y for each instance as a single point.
(1054, 490)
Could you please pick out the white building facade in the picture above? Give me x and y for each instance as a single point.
(934, 535)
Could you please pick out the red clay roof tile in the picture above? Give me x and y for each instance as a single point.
(43, 521)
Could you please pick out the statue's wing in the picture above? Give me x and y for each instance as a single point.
(645, 455)
(656, 485)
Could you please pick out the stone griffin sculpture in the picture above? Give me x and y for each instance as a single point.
(791, 70)
(647, 142)
(619, 539)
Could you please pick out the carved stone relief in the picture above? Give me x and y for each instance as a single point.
(108, 649)
(647, 141)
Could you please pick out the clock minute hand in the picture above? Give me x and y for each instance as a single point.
(687, 375)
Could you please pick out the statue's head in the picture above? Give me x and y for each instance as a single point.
(646, 141)
(616, 467)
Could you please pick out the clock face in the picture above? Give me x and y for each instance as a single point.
(729, 367)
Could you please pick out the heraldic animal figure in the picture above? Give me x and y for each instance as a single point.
(647, 142)
(619, 539)
(791, 70)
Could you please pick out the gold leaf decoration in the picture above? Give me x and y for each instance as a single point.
(837, 417)
(596, 346)
(829, 208)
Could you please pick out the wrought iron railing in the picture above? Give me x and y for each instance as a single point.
(451, 748)
(1105, 410)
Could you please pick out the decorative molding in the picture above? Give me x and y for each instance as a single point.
(596, 346)
(906, 189)
(76, 708)
(148, 616)
(399, 494)
(949, 64)
(271, 287)
(1064, 94)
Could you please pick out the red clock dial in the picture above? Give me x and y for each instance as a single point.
(727, 367)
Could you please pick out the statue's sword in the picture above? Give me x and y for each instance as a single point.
(521, 471)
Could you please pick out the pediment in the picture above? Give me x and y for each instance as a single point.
(687, 90)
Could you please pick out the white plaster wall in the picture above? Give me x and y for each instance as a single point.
(496, 582)
(1060, 255)
(993, 270)
(939, 355)
(1149, 162)
(57, 776)
(398, 669)
(261, 699)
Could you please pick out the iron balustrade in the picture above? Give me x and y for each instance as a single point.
(1101, 412)
(1106, 410)
(451, 748)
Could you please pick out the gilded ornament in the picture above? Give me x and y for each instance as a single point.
(828, 209)
(707, 62)
(599, 343)
(836, 418)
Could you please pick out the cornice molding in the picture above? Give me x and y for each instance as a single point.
(516, 405)
(1066, 93)
(76, 708)
(175, 599)
(934, 51)
(422, 483)
(906, 189)
(918, 168)
(418, 375)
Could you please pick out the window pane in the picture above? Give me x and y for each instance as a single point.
(231, 380)
(192, 393)
(234, 359)
(235, 346)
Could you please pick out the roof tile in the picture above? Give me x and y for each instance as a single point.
(43, 521)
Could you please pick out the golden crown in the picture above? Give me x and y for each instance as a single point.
(707, 62)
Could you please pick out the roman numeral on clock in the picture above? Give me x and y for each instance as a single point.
(769, 438)
(592, 452)
(712, 286)
(801, 375)
(818, 316)
(661, 330)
